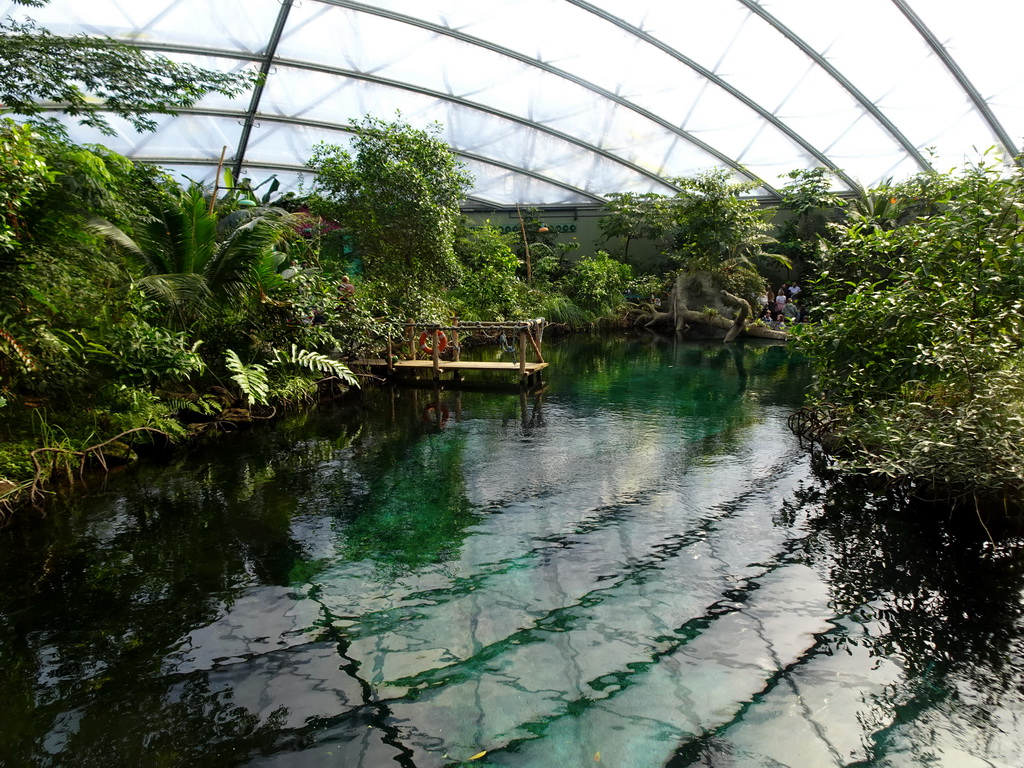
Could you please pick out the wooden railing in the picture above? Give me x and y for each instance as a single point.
(521, 335)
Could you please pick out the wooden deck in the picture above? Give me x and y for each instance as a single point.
(431, 339)
(446, 366)
(529, 374)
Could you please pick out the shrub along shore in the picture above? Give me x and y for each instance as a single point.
(137, 312)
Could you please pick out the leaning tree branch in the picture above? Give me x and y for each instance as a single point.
(35, 490)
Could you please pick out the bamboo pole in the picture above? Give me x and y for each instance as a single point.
(526, 247)
(522, 353)
(411, 329)
(216, 179)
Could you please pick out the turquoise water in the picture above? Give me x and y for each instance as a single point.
(635, 567)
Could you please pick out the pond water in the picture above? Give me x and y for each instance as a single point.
(635, 567)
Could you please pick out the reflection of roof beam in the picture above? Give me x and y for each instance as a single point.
(257, 93)
(822, 62)
(979, 103)
(732, 90)
(532, 62)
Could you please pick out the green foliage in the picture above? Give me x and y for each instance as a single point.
(252, 379)
(243, 193)
(316, 362)
(808, 207)
(632, 216)
(922, 357)
(561, 310)
(706, 226)
(598, 283)
(398, 197)
(649, 286)
(295, 388)
(23, 173)
(712, 224)
(126, 407)
(809, 191)
(15, 463)
(191, 261)
(295, 375)
(489, 288)
(87, 76)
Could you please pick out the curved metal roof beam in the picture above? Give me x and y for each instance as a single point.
(861, 98)
(962, 80)
(213, 163)
(267, 60)
(606, 94)
(711, 76)
(345, 129)
(295, 64)
(239, 115)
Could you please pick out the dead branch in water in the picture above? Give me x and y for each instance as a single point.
(35, 489)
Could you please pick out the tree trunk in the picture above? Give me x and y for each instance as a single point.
(741, 316)
(702, 289)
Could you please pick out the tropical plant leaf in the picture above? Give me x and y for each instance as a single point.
(317, 362)
(251, 379)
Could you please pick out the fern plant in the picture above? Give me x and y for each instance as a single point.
(251, 379)
(316, 362)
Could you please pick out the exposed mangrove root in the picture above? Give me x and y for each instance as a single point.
(270, 416)
(95, 451)
(658, 319)
(741, 316)
(815, 424)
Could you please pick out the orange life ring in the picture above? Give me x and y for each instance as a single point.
(442, 342)
(430, 418)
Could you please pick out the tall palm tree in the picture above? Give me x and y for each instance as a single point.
(191, 260)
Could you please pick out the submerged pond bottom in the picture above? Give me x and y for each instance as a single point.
(635, 567)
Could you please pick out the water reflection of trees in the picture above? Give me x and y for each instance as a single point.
(89, 607)
(97, 597)
(938, 597)
(413, 510)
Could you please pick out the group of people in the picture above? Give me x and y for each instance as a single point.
(781, 307)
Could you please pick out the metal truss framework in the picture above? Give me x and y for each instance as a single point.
(561, 102)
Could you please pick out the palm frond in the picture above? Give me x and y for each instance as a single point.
(184, 291)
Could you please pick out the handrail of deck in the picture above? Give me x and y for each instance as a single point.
(530, 335)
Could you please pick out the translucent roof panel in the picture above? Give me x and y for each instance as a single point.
(562, 102)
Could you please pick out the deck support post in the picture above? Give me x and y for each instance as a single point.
(411, 330)
(522, 352)
(535, 325)
(456, 351)
(435, 353)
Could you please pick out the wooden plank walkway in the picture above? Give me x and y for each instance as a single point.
(433, 339)
(470, 365)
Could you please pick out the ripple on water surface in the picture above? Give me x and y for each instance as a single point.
(635, 568)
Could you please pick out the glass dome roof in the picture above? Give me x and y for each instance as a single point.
(560, 102)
